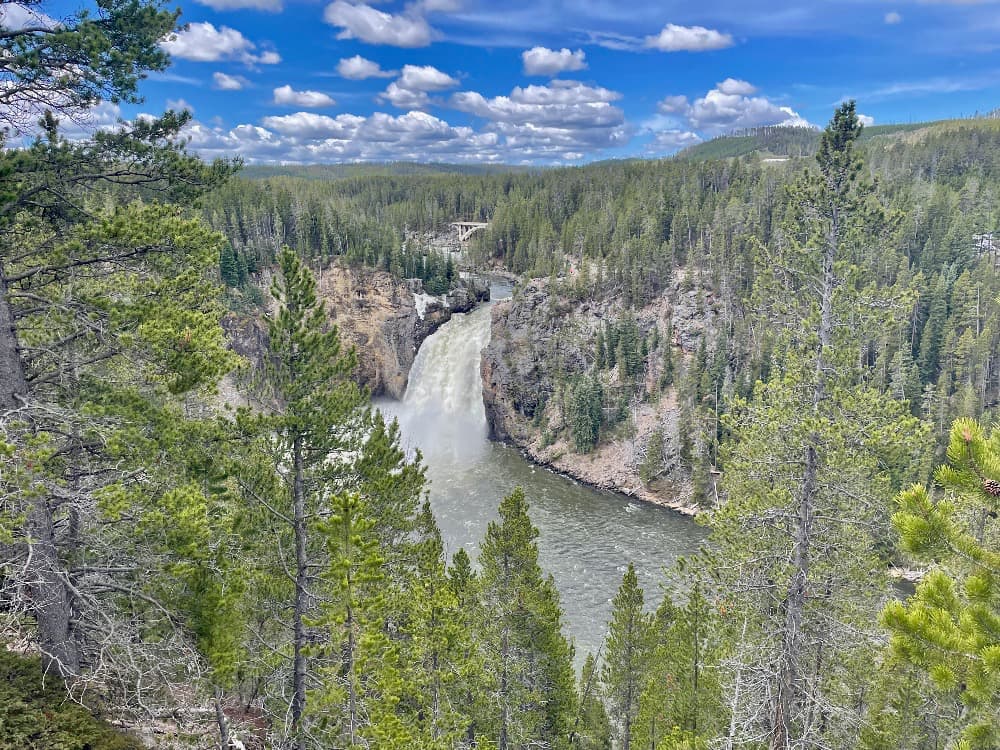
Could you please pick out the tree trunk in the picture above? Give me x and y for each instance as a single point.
(789, 693)
(220, 719)
(299, 611)
(502, 744)
(788, 679)
(13, 383)
(352, 693)
(51, 601)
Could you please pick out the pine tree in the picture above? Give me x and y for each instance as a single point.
(228, 268)
(319, 417)
(906, 712)
(628, 350)
(933, 334)
(681, 700)
(108, 52)
(105, 346)
(669, 367)
(357, 705)
(464, 584)
(601, 355)
(789, 564)
(439, 654)
(585, 413)
(627, 652)
(527, 662)
(84, 289)
(591, 730)
(950, 626)
(391, 486)
(652, 464)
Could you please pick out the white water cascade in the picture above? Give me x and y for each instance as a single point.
(442, 411)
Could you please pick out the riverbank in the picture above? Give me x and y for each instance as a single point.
(611, 466)
(543, 342)
(580, 473)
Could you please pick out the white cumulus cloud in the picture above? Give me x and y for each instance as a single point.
(565, 103)
(359, 68)
(359, 21)
(425, 78)
(403, 98)
(287, 96)
(546, 122)
(866, 120)
(725, 108)
(179, 105)
(542, 61)
(311, 125)
(203, 42)
(306, 137)
(226, 82)
(16, 16)
(562, 122)
(732, 104)
(892, 18)
(674, 38)
(673, 139)
(673, 104)
(732, 86)
(409, 91)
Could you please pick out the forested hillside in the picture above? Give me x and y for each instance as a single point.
(178, 572)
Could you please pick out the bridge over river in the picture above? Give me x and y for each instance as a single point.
(466, 229)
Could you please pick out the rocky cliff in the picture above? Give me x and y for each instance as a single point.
(376, 313)
(542, 339)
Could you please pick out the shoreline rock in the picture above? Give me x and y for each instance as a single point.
(638, 493)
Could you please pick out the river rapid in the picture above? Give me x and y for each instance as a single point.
(586, 537)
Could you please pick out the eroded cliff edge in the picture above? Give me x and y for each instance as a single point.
(543, 340)
(382, 316)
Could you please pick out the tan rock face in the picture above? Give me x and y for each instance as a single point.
(374, 311)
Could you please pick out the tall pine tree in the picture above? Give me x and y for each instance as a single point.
(316, 423)
(798, 537)
(527, 662)
(626, 656)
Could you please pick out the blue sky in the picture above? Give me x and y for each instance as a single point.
(558, 81)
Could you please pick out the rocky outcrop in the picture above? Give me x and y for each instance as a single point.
(467, 295)
(540, 338)
(376, 313)
(532, 340)
(434, 314)
(247, 336)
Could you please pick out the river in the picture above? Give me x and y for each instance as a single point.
(586, 537)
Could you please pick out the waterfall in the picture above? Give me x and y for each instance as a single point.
(586, 537)
(442, 411)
